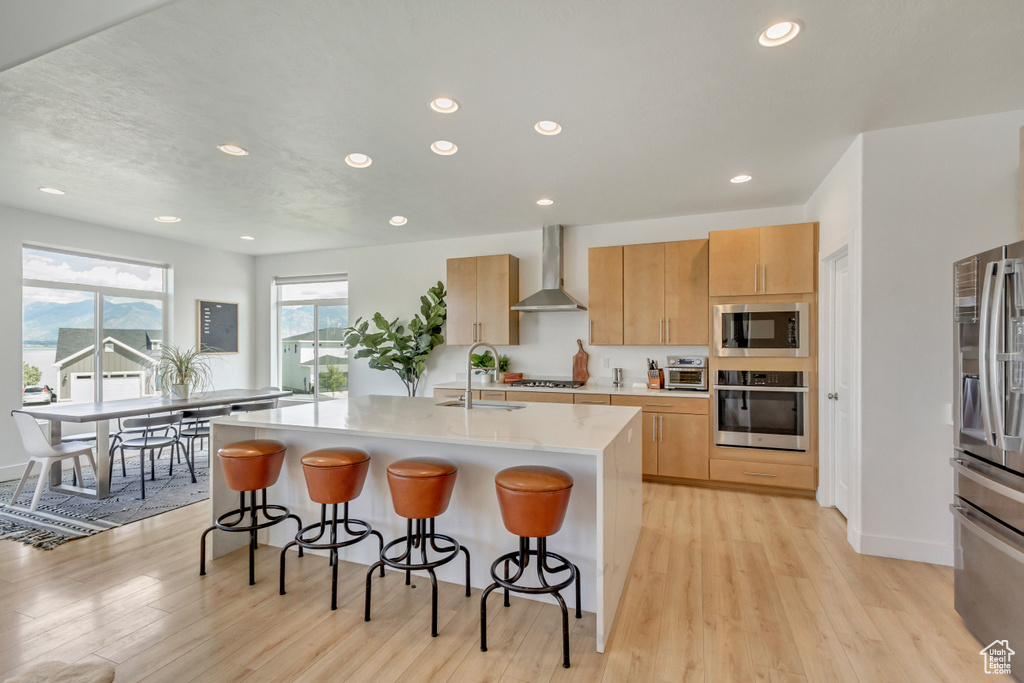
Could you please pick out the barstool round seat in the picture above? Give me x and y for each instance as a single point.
(253, 464)
(421, 488)
(533, 499)
(335, 475)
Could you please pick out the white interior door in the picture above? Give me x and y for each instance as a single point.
(840, 380)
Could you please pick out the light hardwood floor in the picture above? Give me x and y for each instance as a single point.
(725, 587)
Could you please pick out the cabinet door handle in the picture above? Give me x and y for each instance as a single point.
(755, 278)
(654, 429)
(661, 428)
(659, 405)
(594, 403)
(591, 331)
(661, 330)
(668, 331)
(480, 331)
(764, 277)
(759, 474)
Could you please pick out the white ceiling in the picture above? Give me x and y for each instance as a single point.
(661, 103)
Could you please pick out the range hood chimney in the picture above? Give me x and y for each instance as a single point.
(551, 297)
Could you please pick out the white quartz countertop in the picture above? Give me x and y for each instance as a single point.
(585, 389)
(552, 427)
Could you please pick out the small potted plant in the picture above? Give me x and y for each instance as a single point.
(484, 364)
(182, 371)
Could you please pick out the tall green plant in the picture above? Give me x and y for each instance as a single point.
(399, 348)
(184, 366)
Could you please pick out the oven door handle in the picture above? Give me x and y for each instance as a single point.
(961, 467)
(985, 533)
(791, 390)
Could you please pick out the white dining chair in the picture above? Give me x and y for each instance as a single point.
(39, 450)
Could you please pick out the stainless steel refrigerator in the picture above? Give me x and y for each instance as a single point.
(988, 461)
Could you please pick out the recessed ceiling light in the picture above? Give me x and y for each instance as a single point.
(548, 128)
(779, 33)
(444, 147)
(51, 190)
(398, 220)
(247, 237)
(233, 150)
(739, 179)
(358, 160)
(545, 202)
(167, 219)
(445, 105)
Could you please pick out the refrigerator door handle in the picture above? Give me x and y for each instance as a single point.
(986, 534)
(962, 467)
(995, 369)
(984, 314)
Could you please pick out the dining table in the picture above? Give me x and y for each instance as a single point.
(103, 411)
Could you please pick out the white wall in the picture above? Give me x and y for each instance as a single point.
(932, 194)
(198, 273)
(390, 279)
(837, 206)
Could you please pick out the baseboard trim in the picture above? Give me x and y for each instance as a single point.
(901, 548)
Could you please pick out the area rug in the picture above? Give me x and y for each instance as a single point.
(62, 517)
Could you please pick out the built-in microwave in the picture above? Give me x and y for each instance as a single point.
(761, 329)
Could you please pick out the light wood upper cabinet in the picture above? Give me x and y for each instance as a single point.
(605, 295)
(643, 294)
(778, 259)
(788, 259)
(734, 257)
(686, 293)
(481, 293)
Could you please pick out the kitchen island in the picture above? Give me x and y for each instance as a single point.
(598, 445)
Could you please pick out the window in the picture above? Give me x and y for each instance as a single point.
(85, 316)
(312, 313)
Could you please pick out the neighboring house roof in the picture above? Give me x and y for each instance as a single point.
(72, 342)
(327, 360)
(326, 334)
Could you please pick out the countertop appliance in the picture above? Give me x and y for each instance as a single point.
(754, 409)
(546, 384)
(988, 460)
(686, 373)
(781, 330)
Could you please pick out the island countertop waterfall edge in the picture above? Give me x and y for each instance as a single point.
(598, 445)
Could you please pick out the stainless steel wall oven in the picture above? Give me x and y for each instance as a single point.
(755, 409)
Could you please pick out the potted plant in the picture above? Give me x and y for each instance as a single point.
(402, 349)
(484, 364)
(183, 370)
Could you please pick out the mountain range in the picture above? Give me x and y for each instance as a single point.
(42, 319)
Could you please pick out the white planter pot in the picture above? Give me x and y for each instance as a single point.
(179, 392)
(487, 379)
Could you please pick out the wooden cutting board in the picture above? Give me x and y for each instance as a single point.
(579, 364)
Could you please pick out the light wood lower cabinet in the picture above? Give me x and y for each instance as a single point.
(592, 399)
(764, 474)
(453, 393)
(675, 435)
(491, 395)
(540, 397)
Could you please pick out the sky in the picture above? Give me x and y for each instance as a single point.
(57, 267)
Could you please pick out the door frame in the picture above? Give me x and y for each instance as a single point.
(826, 494)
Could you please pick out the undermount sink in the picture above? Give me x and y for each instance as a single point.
(486, 405)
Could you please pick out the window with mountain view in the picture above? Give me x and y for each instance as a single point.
(312, 313)
(84, 317)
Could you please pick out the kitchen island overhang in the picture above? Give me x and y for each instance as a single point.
(598, 445)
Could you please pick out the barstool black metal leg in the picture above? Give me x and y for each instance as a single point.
(334, 580)
(142, 470)
(506, 579)
(369, 577)
(565, 630)
(433, 603)
(252, 541)
(202, 551)
(283, 551)
(483, 616)
(466, 550)
(579, 612)
(380, 541)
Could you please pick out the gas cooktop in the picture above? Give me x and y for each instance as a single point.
(546, 383)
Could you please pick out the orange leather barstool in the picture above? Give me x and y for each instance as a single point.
(250, 466)
(421, 489)
(533, 500)
(334, 476)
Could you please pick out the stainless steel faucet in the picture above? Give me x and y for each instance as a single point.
(469, 370)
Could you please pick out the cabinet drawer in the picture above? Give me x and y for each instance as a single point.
(664, 404)
(539, 397)
(490, 395)
(763, 474)
(593, 399)
(453, 393)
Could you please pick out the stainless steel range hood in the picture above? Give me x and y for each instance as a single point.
(552, 297)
